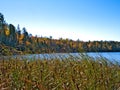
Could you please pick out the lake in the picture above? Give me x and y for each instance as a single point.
(108, 55)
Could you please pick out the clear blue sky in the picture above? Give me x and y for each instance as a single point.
(73, 19)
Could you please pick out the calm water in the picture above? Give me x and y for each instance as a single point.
(112, 56)
(108, 55)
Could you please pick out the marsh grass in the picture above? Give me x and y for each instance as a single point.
(70, 73)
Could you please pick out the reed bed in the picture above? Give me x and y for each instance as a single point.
(70, 73)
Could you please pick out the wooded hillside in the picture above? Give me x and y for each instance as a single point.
(14, 40)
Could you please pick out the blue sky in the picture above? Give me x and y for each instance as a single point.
(73, 19)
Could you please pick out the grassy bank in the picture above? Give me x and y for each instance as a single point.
(68, 74)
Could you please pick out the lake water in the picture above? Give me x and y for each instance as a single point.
(108, 55)
(112, 56)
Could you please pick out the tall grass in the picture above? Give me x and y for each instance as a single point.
(67, 74)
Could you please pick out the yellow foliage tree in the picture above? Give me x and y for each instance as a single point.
(7, 32)
(28, 43)
(21, 37)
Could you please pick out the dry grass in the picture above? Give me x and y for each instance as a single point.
(55, 74)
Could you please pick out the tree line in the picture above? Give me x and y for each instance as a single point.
(19, 40)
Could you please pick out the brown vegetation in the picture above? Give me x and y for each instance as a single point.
(67, 74)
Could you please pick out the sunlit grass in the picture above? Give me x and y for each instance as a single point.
(68, 74)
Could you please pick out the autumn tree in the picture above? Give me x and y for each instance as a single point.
(13, 37)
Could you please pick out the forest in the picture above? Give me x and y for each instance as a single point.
(14, 40)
